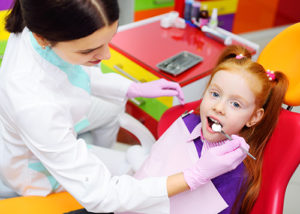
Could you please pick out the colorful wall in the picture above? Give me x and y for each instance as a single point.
(239, 16)
(4, 6)
(148, 8)
(262, 14)
(253, 15)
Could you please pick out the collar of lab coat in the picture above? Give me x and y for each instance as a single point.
(76, 75)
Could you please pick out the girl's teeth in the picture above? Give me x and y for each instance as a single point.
(214, 120)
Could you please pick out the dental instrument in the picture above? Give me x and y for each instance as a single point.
(218, 128)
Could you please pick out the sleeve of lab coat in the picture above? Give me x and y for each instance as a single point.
(47, 131)
(109, 86)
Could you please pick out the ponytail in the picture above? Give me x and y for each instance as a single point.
(14, 21)
(232, 51)
(274, 102)
(259, 138)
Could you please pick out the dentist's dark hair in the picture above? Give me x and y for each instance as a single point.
(62, 20)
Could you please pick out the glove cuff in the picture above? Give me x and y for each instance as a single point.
(193, 178)
(133, 90)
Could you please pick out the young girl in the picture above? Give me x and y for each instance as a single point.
(245, 100)
(50, 92)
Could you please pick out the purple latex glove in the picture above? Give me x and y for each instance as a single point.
(157, 88)
(216, 161)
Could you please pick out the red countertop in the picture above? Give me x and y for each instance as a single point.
(150, 44)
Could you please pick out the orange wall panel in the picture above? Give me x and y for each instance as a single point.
(255, 15)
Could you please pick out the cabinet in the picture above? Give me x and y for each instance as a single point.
(147, 110)
(120, 64)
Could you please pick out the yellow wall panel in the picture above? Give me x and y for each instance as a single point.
(224, 6)
(3, 33)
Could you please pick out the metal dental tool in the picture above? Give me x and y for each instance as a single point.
(218, 128)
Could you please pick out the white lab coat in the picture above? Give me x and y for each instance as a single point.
(39, 110)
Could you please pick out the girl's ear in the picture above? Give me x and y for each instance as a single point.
(256, 117)
(41, 40)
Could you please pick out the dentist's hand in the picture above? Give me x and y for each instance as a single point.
(157, 88)
(216, 161)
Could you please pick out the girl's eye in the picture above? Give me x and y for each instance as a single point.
(215, 94)
(236, 105)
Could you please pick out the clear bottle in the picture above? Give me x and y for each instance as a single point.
(213, 22)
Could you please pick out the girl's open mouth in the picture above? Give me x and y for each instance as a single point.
(211, 121)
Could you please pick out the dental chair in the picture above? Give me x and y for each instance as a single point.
(282, 153)
(281, 157)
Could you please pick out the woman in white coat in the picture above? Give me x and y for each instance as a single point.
(47, 89)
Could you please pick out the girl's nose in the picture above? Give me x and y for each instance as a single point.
(219, 107)
(103, 53)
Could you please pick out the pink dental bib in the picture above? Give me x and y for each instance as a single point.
(172, 153)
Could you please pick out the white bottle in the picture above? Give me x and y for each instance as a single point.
(213, 22)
